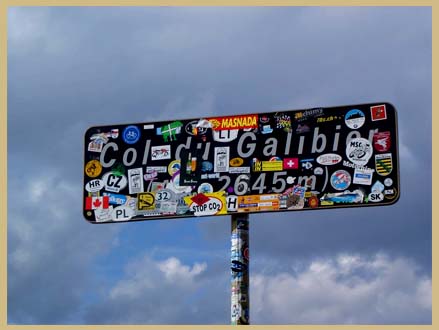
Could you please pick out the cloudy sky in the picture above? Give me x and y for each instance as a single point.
(72, 68)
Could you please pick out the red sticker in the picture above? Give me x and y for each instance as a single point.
(382, 141)
(200, 199)
(378, 112)
(291, 163)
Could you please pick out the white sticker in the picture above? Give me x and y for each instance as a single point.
(329, 159)
(135, 180)
(211, 207)
(239, 170)
(114, 183)
(363, 176)
(388, 182)
(158, 169)
(222, 158)
(168, 207)
(359, 151)
(161, 152)
(102, 215)
(94, 185)
(354, 119)
(232, 203)
(95, 146)
(225, 135)
(375, 197)
(318, 171)
(122, 213)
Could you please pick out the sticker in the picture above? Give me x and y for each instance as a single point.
(382, 141)
(118, 169)
(95, 146)
(329, 159)
(388, 182)
(378, 187)
(161, 152)
(174, 167)
(222, 155)
(151, 175)
(313, 202)
(145, 201)
(307, 114)
(340, 180)
(94, 185)
(239, 170)
(292, 198)
(93, 168)
(306, 164)
(114, 183)
(284, 122)
(363, 176)
(103, 215)
(318, 171)
(157, 169)
(268, 166)
(135, 180)
(378, 112)
(168, 207)
(170, 131)
(234, 122)
(375, 197)
(93, 203)
(225, 136)
(302, 128)
(365, 168)
(255, 203)
(191, 128)
(206, 166)
(164, 195)
(390, 193)
(354, 119)
(359, 151)
(175, 186)
(131, 134)
(205, 188)
(116, 199)
(290, 180)
(122, 213)
(236, 162)
(232, 203)
(355, 196)
(266, 129)
(207, 204)
(290, 163)
(148, 126)
(383, 164)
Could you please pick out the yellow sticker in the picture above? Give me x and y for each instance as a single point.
(236, 162)
(173, 167)
(207, 204)
(145, 201)
(93, 168)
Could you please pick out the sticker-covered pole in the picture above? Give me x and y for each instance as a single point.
(240, 304)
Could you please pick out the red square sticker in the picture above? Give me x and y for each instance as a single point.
(291, 163)
(378, 112)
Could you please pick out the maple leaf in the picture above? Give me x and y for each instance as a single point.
(97, 203)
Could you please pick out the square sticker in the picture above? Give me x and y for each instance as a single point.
(378, 112)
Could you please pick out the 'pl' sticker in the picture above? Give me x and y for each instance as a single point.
(122, 213)
(354, 119)
(359, 151)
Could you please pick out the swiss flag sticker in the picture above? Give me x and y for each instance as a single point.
(93, 203)
(378, 112)
(291, 163)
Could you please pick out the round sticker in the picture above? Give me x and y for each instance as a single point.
(388, 182)
(354, 119)
(131, 134)
(205, 188)
(174, 167)
(236, 162)
(313, 202)
(340, 180)
(359, 151)
(93, 168)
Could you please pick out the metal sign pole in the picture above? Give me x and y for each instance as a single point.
(240, 302)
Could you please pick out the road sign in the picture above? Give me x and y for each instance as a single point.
(318, 158)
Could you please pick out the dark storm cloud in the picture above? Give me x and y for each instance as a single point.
(71, 68)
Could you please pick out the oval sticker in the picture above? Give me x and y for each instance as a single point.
(94, 185)
(236, 162)
(211, 207)
(329, 159)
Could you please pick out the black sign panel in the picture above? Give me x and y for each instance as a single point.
(266, 162)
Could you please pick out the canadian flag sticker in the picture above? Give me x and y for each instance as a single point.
(93, 203)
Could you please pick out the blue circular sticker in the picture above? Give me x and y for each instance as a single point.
(340, 180)
(131, 134)
(354, 119)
